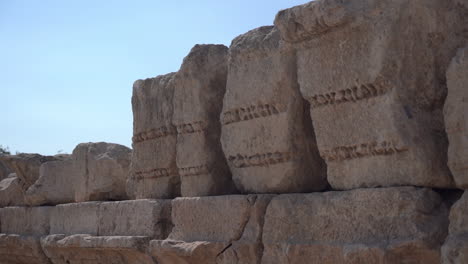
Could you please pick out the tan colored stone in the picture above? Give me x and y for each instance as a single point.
(16, 249)
(199, 87)
(266, 134)
(75, 218)
(455, 249)
(456, 117)
(11, 191)
(217, 229)
(153, 171)
(4, 170)
(373, 72)
(34, 221)
(387, 225)
(96, 250)
(102, 169)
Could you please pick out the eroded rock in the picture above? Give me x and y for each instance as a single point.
(456, 117)
(11, 191)
(28, 221)
(455, 248)
(17, 249)
(388, 225)
(266, 129)
(199, 87)
(154, 171)
(373, 72)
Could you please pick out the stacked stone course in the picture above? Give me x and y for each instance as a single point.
(338, 135)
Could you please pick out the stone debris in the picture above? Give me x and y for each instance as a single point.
(456, 117)
(199, 88)
(266, 129)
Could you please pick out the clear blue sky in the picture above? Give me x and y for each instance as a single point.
(67, 67)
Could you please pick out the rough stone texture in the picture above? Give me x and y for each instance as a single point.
(76, 218)
(16, 249)
(96, 250)
(221, 229)
(388, 225)
(266, 128)
(33, 221)
(373, 72)
(153, 171)
(455, 249)
(26, 166)
(4, 170)
(199, 87)
(11, 191)
(456, 117)
(102, 170)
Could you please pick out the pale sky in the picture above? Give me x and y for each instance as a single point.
(67, 66)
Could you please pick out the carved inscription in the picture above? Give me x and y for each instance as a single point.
(194, 171)
(163, 131)
(353, 94)
(251, 112)
(155, 173)
(261, 160)
(362, 150)
(194, 127)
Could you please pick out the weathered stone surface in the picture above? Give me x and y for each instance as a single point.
(96, 250)
(220, 229)
(102, 170)
(388, 225)
(456, 117)
(75, 218)
(4, 170)
(153, 170)
(455, 249)
(199, 87)
(16, 249)
(266, 134)
(26, 166)
(11, 191)
(34, 221)
(373, 72)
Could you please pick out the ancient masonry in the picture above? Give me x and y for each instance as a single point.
(338, 135)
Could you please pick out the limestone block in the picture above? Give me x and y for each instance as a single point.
(56, 184)
(27, 221)
(455, 249)
(199, 87)
(102, 170)
(16, 249)
(11, 191)
(26, 166)
(373, 73)
(267, 135)
(456, 117)
(75, 218)
(218, 229)
(153, 170)
(4, 170)
(151, 218)
(96, 250)
(387, 225)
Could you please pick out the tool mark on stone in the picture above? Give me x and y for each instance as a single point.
(194, 170)
(252, 112)
(188, 128)
(353, 94)
(373, 148)
(261, 160)
(155, 173)
(154, 133)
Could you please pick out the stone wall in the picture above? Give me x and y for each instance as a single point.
(338, 135)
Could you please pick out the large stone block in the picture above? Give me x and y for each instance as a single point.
(373, 72)
(29, 221)
(388, 225)
(96, 250)
(455, 248)
(199, 87)
(16, 249)
(4, 170)
(11, 191)
(75, 218)
(218, 229)
(153, 170)
(267, 135)
(456, 117)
